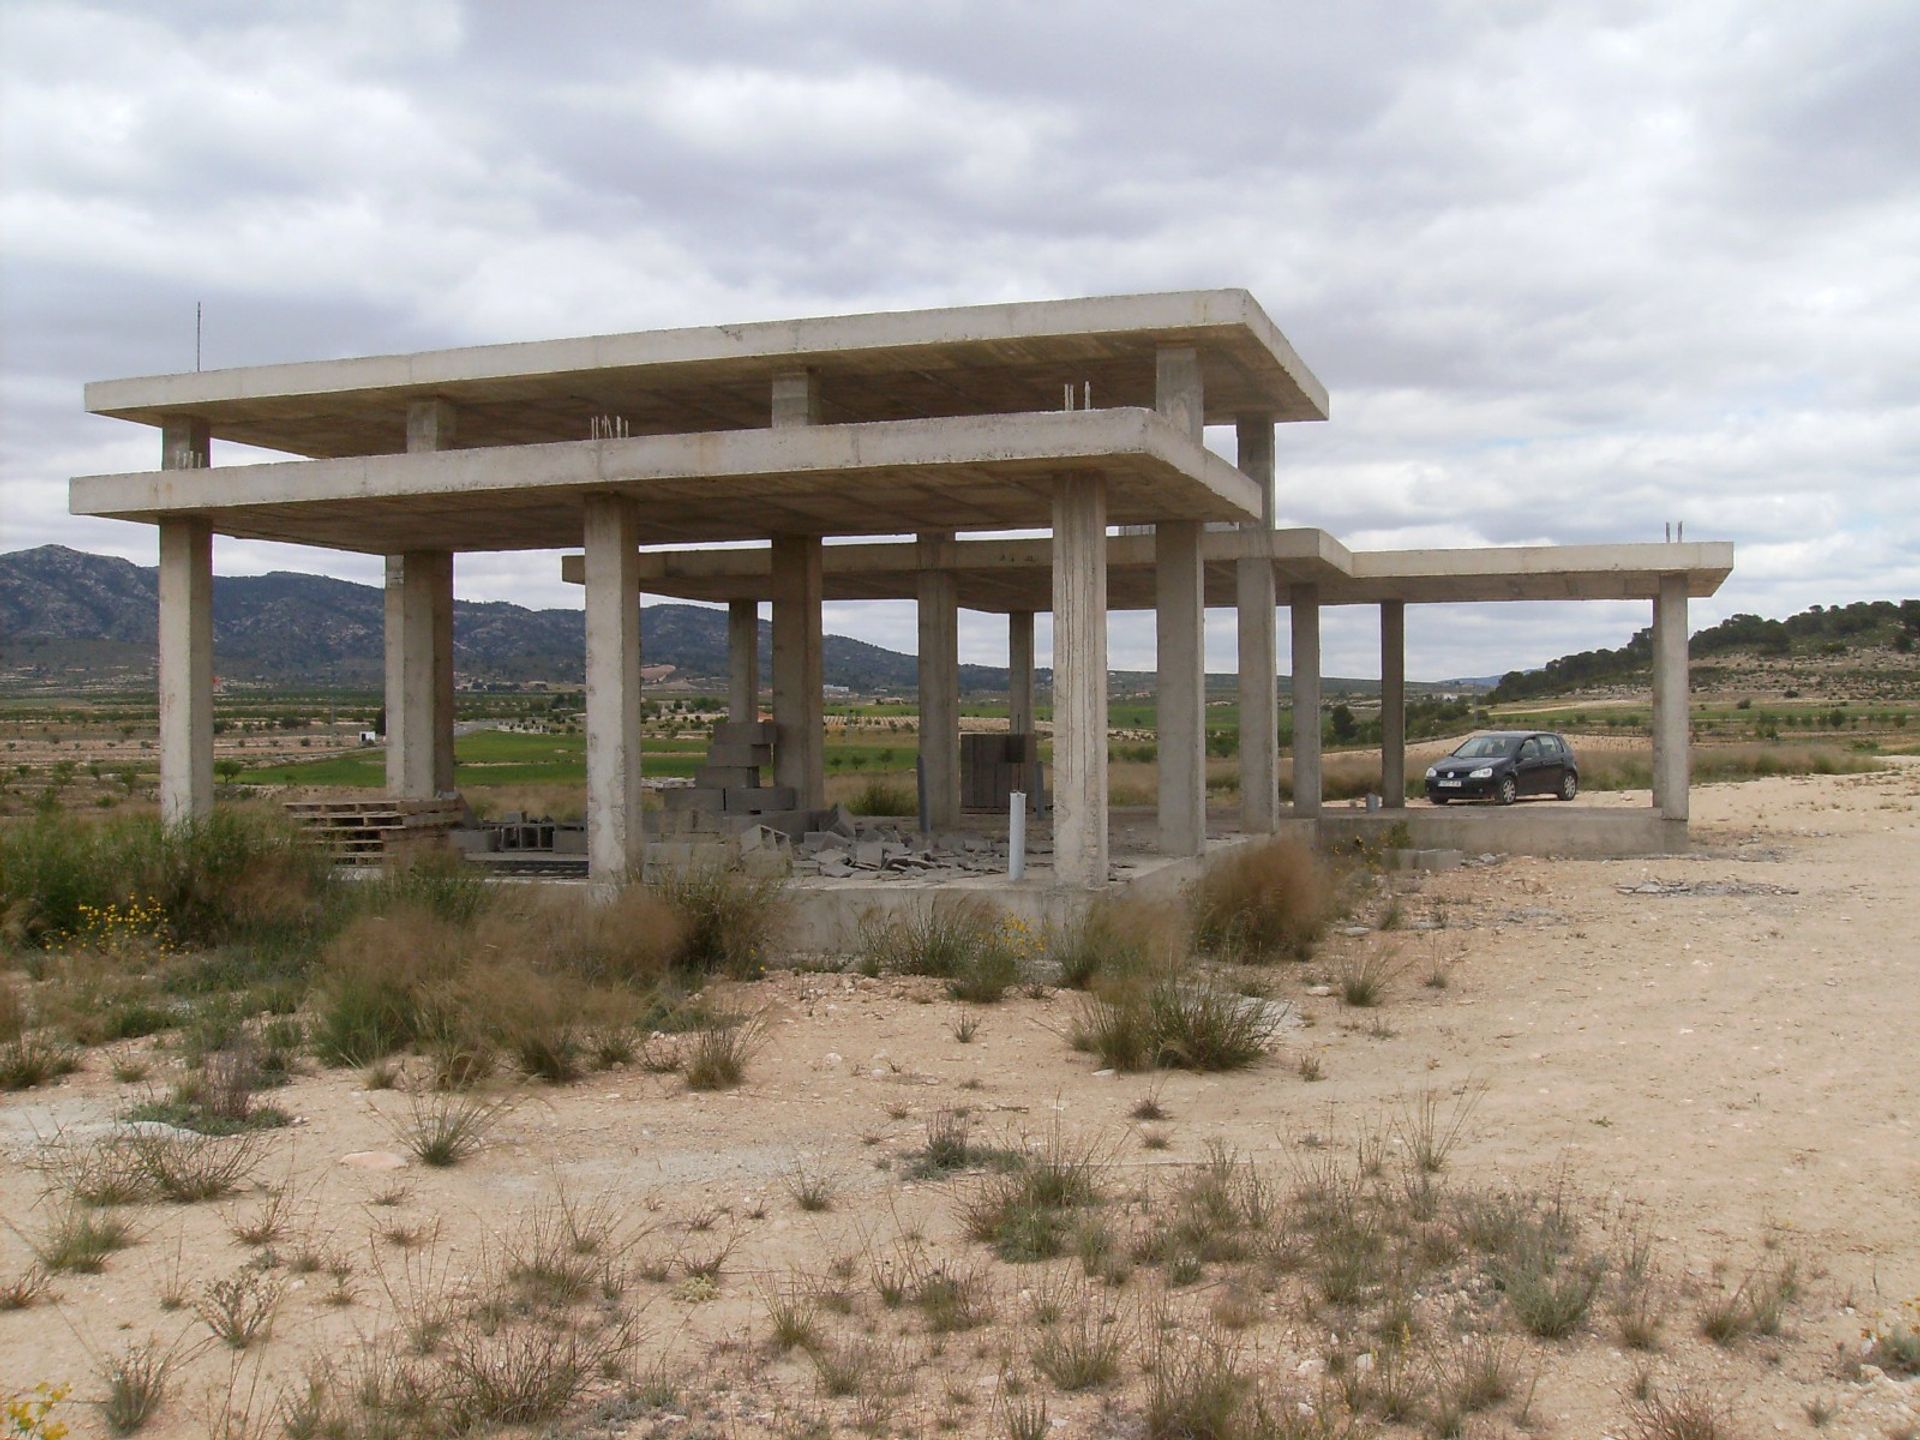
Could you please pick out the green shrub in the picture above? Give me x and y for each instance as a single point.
(373, 977)
(235, 875)
(883, 797)
(730, 919)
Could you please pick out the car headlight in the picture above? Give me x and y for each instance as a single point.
(1485, 772)
(1432, 771)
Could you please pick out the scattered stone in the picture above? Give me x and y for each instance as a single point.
(374, 1160)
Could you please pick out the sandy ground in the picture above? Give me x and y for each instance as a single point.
(1741, 1059)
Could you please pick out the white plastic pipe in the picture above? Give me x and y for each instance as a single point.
(1016, 835)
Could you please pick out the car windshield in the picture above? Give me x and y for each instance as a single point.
(1487, 747)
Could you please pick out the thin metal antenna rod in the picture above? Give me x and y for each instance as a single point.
(198, 306)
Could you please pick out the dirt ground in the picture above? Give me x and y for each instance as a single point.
(1728, 1042)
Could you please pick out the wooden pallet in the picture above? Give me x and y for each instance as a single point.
(369, 830)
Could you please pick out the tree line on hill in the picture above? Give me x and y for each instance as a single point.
(1817, 630)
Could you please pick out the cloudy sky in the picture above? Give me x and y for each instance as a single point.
(1569, 270)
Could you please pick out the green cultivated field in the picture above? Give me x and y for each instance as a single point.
(494, 757)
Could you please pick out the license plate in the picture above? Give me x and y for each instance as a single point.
(1449, 784)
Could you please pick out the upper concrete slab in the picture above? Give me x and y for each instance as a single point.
(972, 360)
(970, 473)
(1015, 574)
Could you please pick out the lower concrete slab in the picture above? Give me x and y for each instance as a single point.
(1541, 828)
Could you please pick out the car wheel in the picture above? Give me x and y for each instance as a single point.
(1439, 799)
(1569, 785)
(1509, 790)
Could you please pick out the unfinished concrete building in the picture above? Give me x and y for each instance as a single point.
(952, 426)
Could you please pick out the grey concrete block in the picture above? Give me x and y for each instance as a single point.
(569, 839)
(725, 777)
(743, 732)
(693, 799)
(787, 822)
(751, 757)
(754, 800)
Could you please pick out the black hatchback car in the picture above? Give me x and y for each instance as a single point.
(1503, 765)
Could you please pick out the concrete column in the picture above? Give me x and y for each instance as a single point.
(1180, 704)
(1020, 714)
(1671, 761)
(1177, 390)
(939, 676)
(1259, 641)
(419, 641)
(799, 757)
(796, 399)
(1393, 704)
(1180, 625)
(1304, 601)
(743, 660)
(1080, 681)
(186, 638)
(419, 673)
(186, 670)
(615, 840)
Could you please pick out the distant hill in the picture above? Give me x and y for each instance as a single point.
(64, 613)
(70, 618)
(1868, 643)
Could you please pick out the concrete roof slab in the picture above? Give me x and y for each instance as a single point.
(967, 360)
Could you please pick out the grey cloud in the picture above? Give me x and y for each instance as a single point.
(1652, 261)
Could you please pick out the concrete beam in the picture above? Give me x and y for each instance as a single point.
(1180, 704)
(1254, 601)
(615, 842)
(1020, 709)
(1080, 682)
(186, 671)
(939, 682)
(1393, 704)
(1304, 608)
(1671, 761)
(799, 756)
(743, 660)
(419, 673)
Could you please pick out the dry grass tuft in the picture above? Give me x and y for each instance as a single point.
(1262, 902)
(957, 938)
(444, 1129)
(1173, 1021)
(715, 1055)
(136, 1382)
(239, 1310)
(1689, 1415)
(80, 1239)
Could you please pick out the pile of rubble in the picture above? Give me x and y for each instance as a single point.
(886, 851)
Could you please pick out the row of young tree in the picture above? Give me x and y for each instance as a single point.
(1820, 629)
